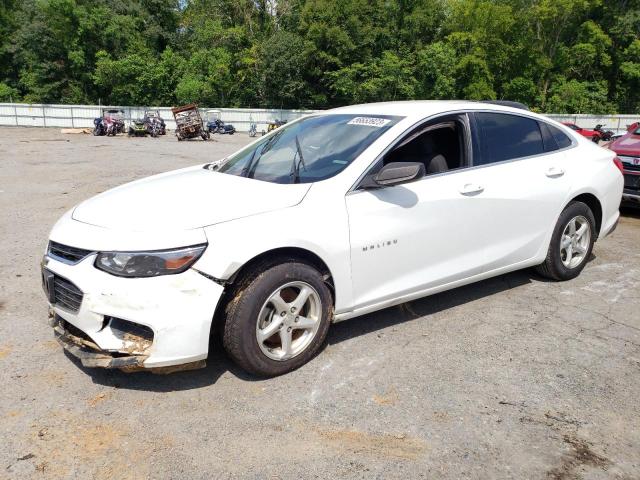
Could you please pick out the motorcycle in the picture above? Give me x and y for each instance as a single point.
(154, 127)
(218, 126)
(253, 127)
(99, 128)
(152, 117)
(110, 127)
(605, 135)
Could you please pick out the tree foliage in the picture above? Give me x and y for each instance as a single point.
(569, 56)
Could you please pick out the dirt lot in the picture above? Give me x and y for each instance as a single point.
(513, 377)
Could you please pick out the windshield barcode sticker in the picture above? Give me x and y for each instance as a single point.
(369, 121)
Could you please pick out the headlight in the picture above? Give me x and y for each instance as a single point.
(148, 264)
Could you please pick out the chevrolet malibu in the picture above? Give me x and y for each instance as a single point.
(335, 215)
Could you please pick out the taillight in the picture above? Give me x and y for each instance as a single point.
(618, 163)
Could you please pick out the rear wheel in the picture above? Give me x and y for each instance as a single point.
(277, 318)
(571, 243)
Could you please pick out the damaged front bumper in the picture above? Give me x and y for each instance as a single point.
(89, 353)
(159, 323)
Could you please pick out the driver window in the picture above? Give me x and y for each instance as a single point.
(440, 146)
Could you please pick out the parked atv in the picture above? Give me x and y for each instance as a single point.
(138, 128)
(605, 135)
(273, 125)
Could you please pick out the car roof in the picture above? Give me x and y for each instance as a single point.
(424, 108)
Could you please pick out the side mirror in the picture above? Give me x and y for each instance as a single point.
(399, 172)
(633, 126)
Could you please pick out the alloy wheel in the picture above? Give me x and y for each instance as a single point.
(288, 321)
(575, 241)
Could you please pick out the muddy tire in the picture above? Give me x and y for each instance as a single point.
(277, 318)
(571, 243)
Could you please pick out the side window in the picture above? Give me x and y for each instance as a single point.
(506, 137)
(561, 138)
(440, 145)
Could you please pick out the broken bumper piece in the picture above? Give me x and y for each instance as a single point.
(90, 354)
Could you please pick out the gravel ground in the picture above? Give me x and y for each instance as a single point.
(513, 377)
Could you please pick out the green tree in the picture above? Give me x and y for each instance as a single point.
(562, 55)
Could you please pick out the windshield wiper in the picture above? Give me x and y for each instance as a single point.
(253, 162)
(295, 166)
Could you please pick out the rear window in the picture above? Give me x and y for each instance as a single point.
(507, 137)
(561, 138)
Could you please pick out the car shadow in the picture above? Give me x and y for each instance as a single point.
(218, 363)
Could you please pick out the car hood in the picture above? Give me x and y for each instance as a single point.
(627, 145)
(185, 199)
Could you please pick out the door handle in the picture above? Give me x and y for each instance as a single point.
(471, 188)
(553, 172)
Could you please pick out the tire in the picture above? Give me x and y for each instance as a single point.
(555, 265)
(245, 316)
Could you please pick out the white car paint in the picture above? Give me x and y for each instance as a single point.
(382, 247)
(184, 199)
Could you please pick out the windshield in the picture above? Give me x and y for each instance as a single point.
(312, 149)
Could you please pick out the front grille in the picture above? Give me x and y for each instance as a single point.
(71, 254)
(66, 294)
(630, 163)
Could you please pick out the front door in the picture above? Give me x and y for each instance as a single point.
(427, 233)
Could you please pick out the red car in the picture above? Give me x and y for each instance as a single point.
(627, 147)
(592, 135)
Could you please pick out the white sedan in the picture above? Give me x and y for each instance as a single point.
(332, 216)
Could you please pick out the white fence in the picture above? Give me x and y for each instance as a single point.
(617, 123)
(81, 116)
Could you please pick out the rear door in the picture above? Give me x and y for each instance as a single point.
(525, 178)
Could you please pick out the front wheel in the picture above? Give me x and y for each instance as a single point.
(571, 243)
(277, 318)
